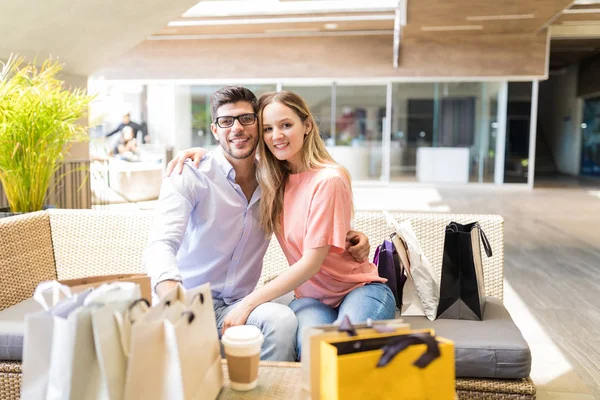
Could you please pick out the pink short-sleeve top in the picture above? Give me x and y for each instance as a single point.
(317, 211)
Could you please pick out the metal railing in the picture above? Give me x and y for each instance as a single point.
(70, 187)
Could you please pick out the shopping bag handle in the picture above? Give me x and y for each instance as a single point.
(453, 227)
(401, 343)
(190, 314)
(376, 257)
(486, 243)
(346, 326)
(56, 287)
(124, 323)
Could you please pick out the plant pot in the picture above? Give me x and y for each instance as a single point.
(5, 212)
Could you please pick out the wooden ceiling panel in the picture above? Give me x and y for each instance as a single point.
(481, 12)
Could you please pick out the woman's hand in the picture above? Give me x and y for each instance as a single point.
(357, 244)
(237, 316)
(195, 153)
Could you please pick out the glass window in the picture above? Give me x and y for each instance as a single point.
(359, 125)
(318, 99)
(458, 116)
(413, 116)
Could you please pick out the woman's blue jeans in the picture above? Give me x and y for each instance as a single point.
(373, 300)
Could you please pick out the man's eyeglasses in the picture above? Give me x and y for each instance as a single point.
(227, 121)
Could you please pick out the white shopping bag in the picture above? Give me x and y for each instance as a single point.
(74, 372)
(421, 292)
(37, 342)
(174, 351)
(61, 361)
(108, 325)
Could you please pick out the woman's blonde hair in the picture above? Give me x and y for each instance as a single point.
(273, 173)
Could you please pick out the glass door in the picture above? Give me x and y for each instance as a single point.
(590, 154)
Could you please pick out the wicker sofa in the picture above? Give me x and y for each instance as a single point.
(64, 244)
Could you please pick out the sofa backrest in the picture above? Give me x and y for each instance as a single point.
(104, 242)
(429, 228)
(98, 242)
(26, 256)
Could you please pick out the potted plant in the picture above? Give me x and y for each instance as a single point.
(39, 119)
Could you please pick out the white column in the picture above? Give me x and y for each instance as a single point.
(386, 143)
(482, 138)
(170, 115)
(532, 133)
(501, 135)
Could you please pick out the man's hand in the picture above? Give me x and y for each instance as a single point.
(165, 287)
(195, 153)
(357, 244)
(237, 316)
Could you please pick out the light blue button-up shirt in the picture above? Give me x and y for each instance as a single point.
(205, 230)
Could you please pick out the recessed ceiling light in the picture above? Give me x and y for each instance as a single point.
(289, 30)
(500, 17)
(452, 28)
(331, 26)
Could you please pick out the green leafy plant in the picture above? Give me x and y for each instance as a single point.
(39, 119)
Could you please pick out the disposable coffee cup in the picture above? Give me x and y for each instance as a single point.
(242, 349)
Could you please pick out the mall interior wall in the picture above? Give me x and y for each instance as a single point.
(560, 118)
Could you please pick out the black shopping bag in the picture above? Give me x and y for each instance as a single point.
(462, 290)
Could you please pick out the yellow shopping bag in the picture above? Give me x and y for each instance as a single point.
(312, 338)
(413, 366)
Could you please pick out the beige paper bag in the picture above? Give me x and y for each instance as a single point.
(164, 361)
(194, 342)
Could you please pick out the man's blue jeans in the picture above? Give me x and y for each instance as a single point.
(374, 301)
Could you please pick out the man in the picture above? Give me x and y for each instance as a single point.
(127, 122)
(207, 226)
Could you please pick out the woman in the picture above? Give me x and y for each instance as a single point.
(307, 202)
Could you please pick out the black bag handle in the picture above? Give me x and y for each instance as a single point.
(397, 345)
(346, 326)
(453, 227)
(486, 243)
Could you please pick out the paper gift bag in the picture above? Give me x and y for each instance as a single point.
(413, 366)
(37, 342)
(111, 326)
(390, 267)
(81, 284)
(75, 369)
(158, 367)
(422, 289)
(195, 368)
(313, 336)
(462, 294)
(148, 361)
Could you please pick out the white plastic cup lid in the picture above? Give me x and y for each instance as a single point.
(242, 336)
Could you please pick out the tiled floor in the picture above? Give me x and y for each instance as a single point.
(552, 270)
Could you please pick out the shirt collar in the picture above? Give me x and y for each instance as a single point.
(224, 164)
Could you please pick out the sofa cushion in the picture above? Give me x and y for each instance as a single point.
(491, 348)
(12, 329)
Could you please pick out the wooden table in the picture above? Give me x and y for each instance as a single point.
(276, 381)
